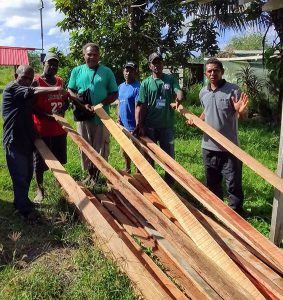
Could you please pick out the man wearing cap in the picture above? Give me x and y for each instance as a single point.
(155, 117)
(101, 83)
(128, 93)
(48, 129)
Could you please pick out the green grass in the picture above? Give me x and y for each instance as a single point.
(58, 260)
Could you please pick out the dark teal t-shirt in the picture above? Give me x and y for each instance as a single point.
(104, 83)
(158, 94)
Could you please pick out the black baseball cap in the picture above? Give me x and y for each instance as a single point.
(154, 56)
(130, 64)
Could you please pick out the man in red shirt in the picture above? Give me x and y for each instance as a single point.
(47, 128)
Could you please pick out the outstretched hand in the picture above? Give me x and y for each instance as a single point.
(241, 104)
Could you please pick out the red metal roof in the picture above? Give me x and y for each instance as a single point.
(14, 56)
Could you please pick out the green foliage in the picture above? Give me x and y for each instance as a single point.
(251, 85)
(230, 14)
(134, 29)
(192, 95)
(275, 68)
(261, 93)
(6, 75)
(252, 41)
(202, 36)
(34, 61)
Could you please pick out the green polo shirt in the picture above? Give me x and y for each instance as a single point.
(104, 83)
(158, 94)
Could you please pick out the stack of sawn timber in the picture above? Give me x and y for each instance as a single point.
(247, 270)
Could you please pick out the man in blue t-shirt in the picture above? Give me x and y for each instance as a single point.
(128, 93)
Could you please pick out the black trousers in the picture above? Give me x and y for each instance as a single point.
(165, 137)
(219, 165)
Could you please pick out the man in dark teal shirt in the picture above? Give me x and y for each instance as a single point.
(155, 117)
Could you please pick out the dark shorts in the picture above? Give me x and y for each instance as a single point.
(57, 145)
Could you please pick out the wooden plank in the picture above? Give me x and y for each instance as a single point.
(179, 258)
(190, 224)
(262, 280)
(110, 236)
(151, 197)
(130, 227)
(276, 229)
(272, 255)
(120, 184)
(252, 163)
(265, 278)
(111, 174)
(187, 285)
(184, 252)
(174, 291)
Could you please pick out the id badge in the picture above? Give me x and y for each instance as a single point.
(160, 103)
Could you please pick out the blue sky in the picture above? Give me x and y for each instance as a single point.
(20, 26)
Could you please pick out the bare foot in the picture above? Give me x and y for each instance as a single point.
(39, 196)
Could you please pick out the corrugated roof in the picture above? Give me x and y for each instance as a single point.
(14, 56)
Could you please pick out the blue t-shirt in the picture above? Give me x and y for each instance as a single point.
(128, 96)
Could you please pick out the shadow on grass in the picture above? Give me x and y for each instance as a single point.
(22, 243)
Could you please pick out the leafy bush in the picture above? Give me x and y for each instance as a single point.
(192, 94)
(254, 87)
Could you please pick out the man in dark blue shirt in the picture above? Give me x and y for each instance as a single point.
(18, 136)
(128, 93)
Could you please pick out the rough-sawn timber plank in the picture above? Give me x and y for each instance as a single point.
(111, 240)
(205, 266)
(190, 224)
(267, 251)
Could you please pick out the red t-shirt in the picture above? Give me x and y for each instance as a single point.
(48, 103)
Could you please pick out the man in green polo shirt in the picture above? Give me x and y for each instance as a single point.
(155, 117)
(102, 85)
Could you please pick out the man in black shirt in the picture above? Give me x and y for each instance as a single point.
(18, 136)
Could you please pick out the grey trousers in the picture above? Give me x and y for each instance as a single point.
(98, 137)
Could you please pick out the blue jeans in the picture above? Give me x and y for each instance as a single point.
(21, 170)
(165, 137)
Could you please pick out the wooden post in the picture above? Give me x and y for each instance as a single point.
(276, 230)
